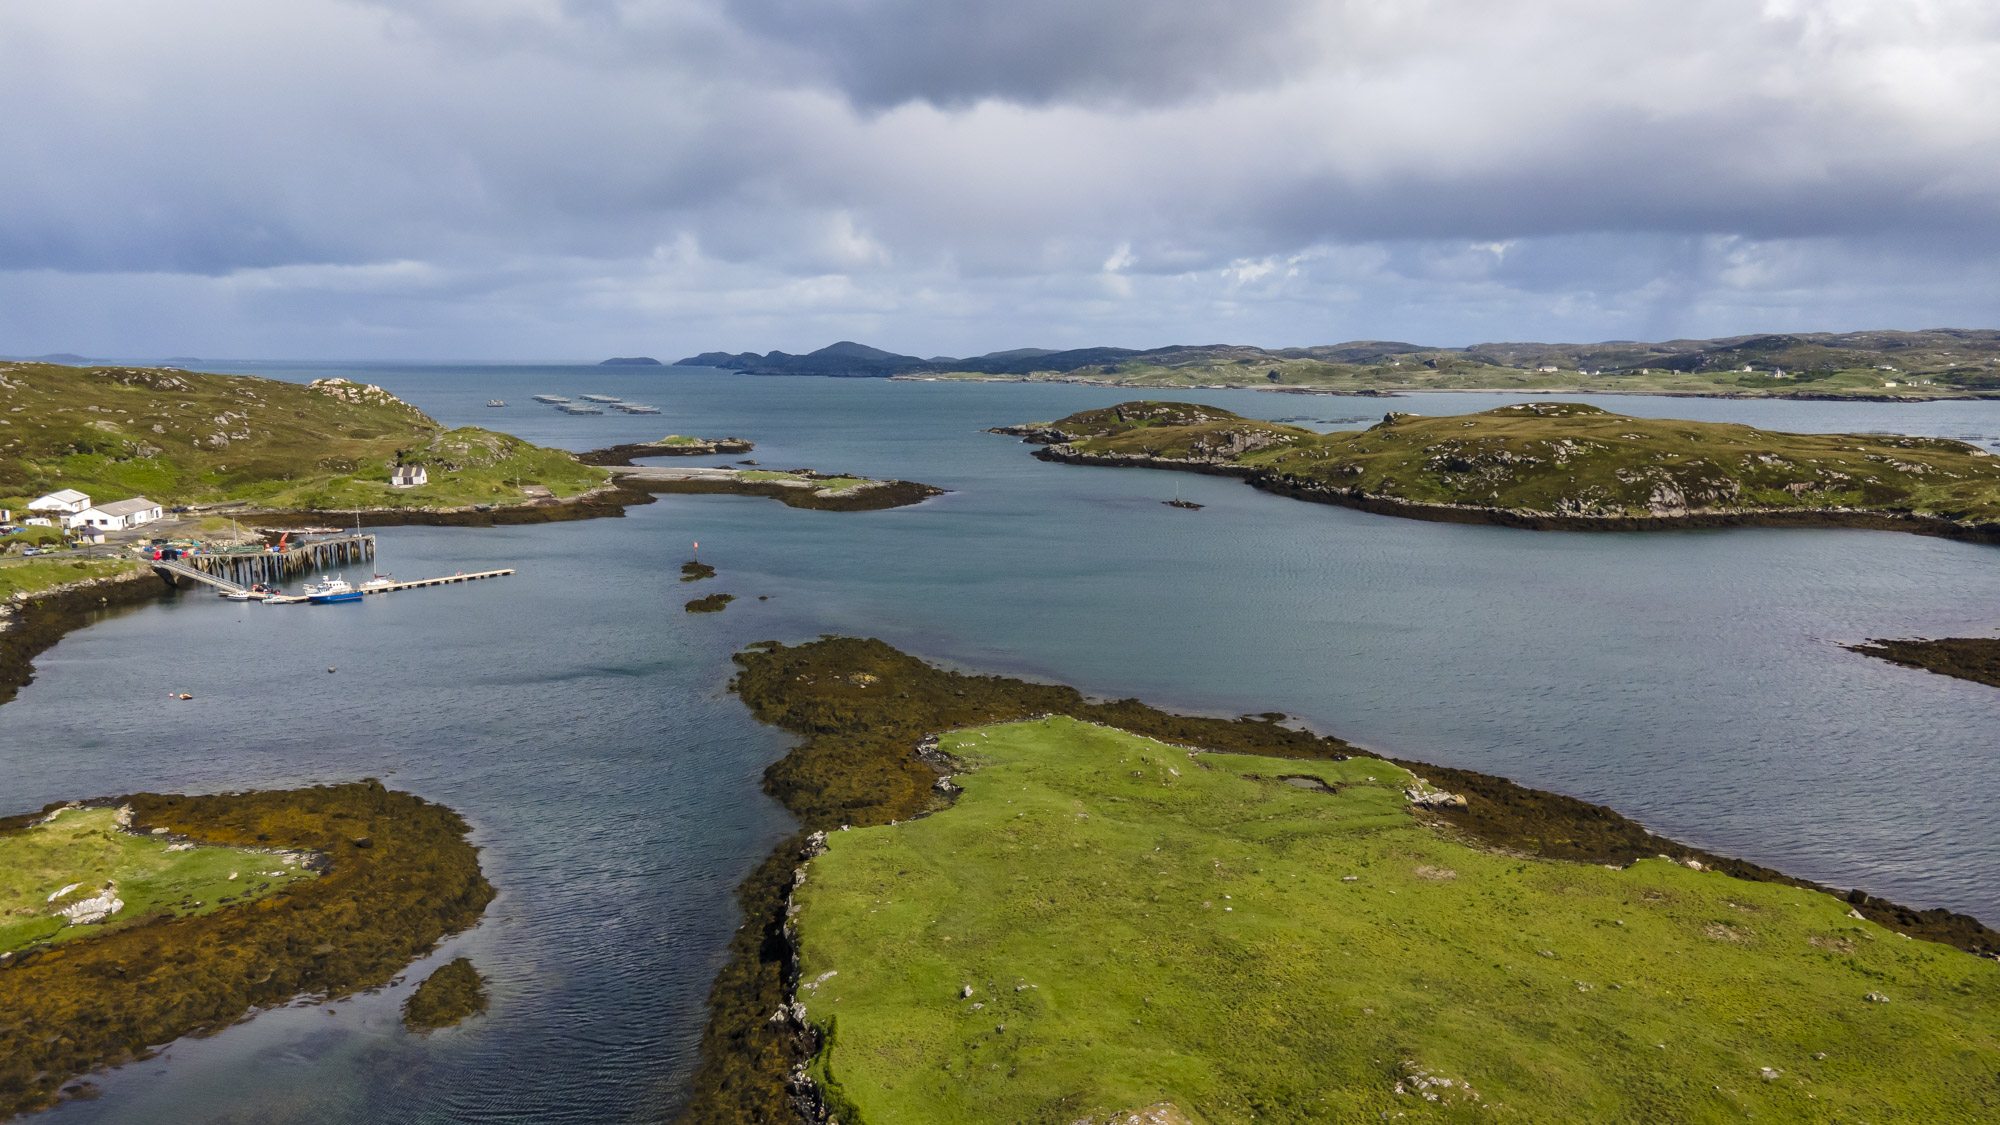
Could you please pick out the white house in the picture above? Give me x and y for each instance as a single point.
(68, 502)
(117, 515)
(408, 476)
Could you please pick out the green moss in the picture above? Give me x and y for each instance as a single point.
(1152, 924)
(451, 994)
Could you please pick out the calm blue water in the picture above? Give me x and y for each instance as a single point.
(577, 716)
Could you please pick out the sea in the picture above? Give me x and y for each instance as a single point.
(579, 718)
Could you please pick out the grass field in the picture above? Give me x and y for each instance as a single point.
(87, 851)
(1564, 459)
(182, 437)
(1139, 925)
(29, 576)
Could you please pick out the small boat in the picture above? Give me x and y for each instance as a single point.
(378, 582)
(328, 590)
(496, 402)
(1177, 502)
(243, 595)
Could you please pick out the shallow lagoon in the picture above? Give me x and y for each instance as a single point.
(576, 715)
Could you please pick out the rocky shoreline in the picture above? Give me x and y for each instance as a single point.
(868, 715)
(1681, 520)
(1966, 658)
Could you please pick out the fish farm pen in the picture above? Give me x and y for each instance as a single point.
(273, 567)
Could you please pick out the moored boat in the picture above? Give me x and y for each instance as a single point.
(335, 589)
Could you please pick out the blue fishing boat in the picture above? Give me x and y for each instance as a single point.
(335, 589)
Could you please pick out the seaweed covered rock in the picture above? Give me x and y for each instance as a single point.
(376, 907)
(454, 993)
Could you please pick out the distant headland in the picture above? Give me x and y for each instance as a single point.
(630, 361)
(1885, 366)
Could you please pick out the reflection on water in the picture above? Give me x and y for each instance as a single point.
(578, 717)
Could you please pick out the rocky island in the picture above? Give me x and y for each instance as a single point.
(795, 488)
(189, 912)
(1011, 903)
(1559, 465)
(673, 445)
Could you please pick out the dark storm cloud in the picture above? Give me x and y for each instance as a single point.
(886, 52)
(528, 174)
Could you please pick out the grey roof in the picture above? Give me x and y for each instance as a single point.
(130, 507)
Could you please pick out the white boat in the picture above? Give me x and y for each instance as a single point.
(496, 402)
(378, 582)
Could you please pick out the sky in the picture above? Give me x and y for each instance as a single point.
(573, 179)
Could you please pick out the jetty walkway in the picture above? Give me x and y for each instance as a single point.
(241, 569)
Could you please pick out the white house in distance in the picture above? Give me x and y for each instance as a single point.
(408, 476)
(119, 515)
(68, 502)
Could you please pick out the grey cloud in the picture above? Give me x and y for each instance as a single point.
(886, 52)
(1281, 171)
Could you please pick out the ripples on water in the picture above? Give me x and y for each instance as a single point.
(577, 716)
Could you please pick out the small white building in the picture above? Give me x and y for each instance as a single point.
(408, 476)
(117, 515)
(38, 521)
(67, 502)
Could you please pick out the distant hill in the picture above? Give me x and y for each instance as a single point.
(630, 361)
(1883, 364)
(52, 357)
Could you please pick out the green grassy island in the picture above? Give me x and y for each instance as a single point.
(186, 437)
(188, 913)
(1559, 465)
(1019, 905)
